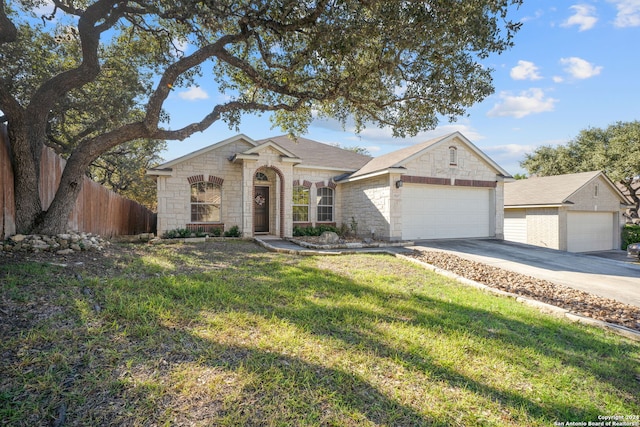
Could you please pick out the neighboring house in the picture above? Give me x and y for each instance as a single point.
(442, 188)
(578, 212)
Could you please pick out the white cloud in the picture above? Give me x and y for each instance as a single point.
(531, 101)
(578, 68)
(628, 13)
(584, 17)
(194, 93)
(525, 70)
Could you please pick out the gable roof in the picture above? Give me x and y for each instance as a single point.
(318, 154)
(399, 158)
(171, 163)
(551, 190)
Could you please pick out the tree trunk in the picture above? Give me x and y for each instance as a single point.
(26, 172)
(57, 216)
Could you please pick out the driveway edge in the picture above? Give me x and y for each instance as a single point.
(541, 306)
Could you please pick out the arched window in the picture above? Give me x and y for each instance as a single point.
(261, 177)
(325, 204)
(453, 156)
(300, 203)
(205, 202)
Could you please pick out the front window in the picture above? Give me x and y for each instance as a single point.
(205, 202)
(300, 204)
(325, 204)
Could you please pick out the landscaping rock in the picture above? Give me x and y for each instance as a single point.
(573, 300)
(329, 238)
(61, 244)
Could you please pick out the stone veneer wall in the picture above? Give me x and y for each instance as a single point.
(174, 191)
(368, 202)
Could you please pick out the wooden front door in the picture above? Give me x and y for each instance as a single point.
(261, 210)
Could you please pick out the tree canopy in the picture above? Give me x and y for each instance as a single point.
(399, 64)
(614, 150)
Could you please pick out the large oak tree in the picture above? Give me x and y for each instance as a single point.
(614, 150)
(402, 64)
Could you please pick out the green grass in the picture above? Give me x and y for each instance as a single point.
(227, 334)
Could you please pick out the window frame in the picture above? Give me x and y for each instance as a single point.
(200, 204)
(324, 209)
(453, 156)
(297, 203)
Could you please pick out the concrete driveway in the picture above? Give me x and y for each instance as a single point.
(598, 275)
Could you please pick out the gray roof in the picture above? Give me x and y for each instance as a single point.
(398, 158)
(546, 190)
(315, 153)
(394, 158)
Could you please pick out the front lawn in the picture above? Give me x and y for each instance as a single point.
(224, 333)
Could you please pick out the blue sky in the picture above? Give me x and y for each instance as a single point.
(574, 65)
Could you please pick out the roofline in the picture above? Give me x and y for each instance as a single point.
(326, 168)
(399, 170)
(208, 148)
(273, 145)
(159, 172)
(468, 142)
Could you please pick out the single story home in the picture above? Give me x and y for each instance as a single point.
(578, 212)
(442, 188)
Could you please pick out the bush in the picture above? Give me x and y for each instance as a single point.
(630, 234)
(313, 231)
(176, 233)
(232, 232)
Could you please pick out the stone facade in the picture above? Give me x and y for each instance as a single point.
(371, 203)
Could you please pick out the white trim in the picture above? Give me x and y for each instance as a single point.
(159, 172)
(207, 149)
(397, 170)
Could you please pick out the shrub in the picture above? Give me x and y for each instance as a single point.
(176, 233)
(313, 231)
(232, 232)
(630, 234)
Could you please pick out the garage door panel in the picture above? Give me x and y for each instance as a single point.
(515, 225)
(589, 231)
(432, 212)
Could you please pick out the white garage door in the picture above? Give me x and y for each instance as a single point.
(438, 211)
(589, 231)
(515, 225)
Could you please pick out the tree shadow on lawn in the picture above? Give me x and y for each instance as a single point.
(268, 288)
(160, 335)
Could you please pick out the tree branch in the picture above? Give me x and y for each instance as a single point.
(8, 31)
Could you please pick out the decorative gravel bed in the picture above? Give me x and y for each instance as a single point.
(576, 301)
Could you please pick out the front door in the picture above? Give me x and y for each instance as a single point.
(261, 210)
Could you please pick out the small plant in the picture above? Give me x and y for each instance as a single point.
(354, 226)
(232, 232)
(344, 230)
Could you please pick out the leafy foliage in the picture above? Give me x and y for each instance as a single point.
(614, 150)
(96, 74)
(630, 234)
(232, 232)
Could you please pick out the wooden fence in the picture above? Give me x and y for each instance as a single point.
(97, 210)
